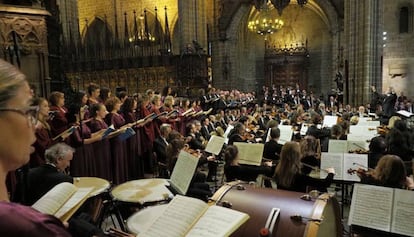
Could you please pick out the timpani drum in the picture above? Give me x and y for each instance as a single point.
(93, 206)
(142, 219)
(318, 218)
(145, 192)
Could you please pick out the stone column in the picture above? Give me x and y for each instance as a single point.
(363, 47)
(192, 23)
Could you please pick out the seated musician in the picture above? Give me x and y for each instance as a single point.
(288, 174)
(272, 148)
(389, 172)
(160, 143)
(198, 186)
(234, 171)
(337, 133)
(43, 178)
(322, 134)
(399, 143)
(310, 150)
(377, 148)
(194, 139)
(237, 134)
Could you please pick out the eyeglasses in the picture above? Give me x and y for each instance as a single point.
(30, 113)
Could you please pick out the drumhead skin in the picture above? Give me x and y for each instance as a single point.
(141, 220)
(99, 185)
(142, 191)
(258, 203)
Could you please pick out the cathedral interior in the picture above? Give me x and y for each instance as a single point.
(327, 47)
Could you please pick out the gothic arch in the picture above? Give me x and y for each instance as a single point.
(98, 33)
(238, 27)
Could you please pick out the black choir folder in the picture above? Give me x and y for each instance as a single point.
(191, 217)
(384, 209)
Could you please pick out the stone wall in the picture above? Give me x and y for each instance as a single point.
(398, 50)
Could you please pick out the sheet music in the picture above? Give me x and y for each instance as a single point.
(55, 198)
(354, 161)
(215, 144)
(364, 131)
(304, 129)
(405, 113)
(368, 122)
(250, 153)
(285, 134)
(371, 207)
(77, 198)
(217, 221)
(333, 160)
(337, 146)
(403, 213)
(183, 172)
(180, 214)
(329, 121)
(358, 142)
(226, 134)
(268, 135)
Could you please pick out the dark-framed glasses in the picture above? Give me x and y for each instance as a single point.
(30, 113)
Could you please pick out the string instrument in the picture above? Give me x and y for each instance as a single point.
(196, 153)
(315, 168)
(383, 130)
(362, 169)
(359, 150)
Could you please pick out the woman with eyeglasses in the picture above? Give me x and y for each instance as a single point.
(18, 134)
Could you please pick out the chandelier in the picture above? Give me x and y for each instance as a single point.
(141, 33)
(282, 4)
(264, 23)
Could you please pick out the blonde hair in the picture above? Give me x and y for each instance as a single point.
(289, 164)
(354, 120)
(168, 101)
(392, 120)
(10, 80)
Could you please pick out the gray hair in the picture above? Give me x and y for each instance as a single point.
(11, 79)
(56, 151)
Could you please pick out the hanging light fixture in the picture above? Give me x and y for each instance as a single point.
(264, 23)
(282, 4)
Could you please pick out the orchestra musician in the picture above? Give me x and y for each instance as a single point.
(389, 172)
(234, 171)
(288, 174)
(399, 142)
(198, 186)
(43, 178)
(272, 148)
(237, 134)
(311, 152)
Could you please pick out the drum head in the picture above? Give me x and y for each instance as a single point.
(99, 185)
(142, 191)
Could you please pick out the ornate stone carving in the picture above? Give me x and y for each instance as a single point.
(30, 31)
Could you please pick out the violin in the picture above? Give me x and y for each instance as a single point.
(383, 130)
(362, 169)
